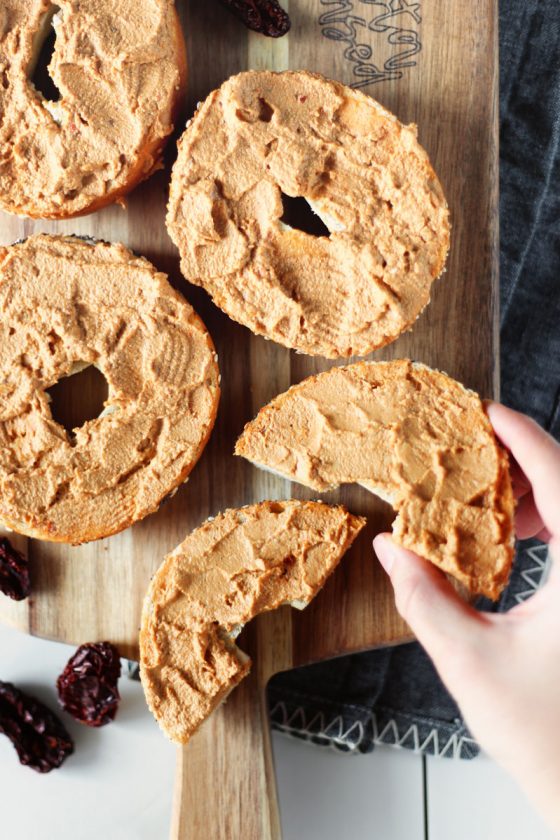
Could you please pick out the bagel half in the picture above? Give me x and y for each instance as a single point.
(264, 134)
(120, 69)
(416, 438)
(65, 304)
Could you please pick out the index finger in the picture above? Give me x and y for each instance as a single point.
(538, 455)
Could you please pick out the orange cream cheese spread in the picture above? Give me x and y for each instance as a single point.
(66, 304)
(241, 563)
(119, 66)
(416, 438)
(264, 134)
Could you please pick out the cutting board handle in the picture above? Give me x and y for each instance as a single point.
(225, 787)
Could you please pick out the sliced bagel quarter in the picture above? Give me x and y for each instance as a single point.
(244, 562)
(416, 438)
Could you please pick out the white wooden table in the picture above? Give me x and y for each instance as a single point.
(119, 782)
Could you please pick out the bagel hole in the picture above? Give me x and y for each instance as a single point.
(266, 111)
(298, 214)
(43, 49)
(77, 398)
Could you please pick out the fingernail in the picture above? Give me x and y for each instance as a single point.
(385, 552)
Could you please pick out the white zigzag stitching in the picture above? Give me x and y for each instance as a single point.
(539, 555)
(389, 735)
(333, 731)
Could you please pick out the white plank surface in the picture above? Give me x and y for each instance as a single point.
(476, 800)
(118, 784)
(327, 795)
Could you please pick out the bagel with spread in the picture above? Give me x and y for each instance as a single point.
(120, 68)
(265, 134)
(243, 562)
(66, 304)
(416, 438)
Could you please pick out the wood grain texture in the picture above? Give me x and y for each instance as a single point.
(432, 63)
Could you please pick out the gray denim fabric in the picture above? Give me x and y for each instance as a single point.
(394, 695)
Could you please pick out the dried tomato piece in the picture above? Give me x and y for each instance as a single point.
(40, 738)
(264, 16)
(87, 688)
(14, 572)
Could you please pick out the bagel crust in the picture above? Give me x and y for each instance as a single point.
(242, 563)
(262, 134)
(416, 438)
(66, 304)
(120, 68)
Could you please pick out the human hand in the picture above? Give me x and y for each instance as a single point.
(502, 669)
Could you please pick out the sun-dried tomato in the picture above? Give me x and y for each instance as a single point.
(264, 16)
(40, 738)
(87, 688)
(14, 572)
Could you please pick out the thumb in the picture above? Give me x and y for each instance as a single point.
(445, 626)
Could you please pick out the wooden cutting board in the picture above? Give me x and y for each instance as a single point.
(433, 63)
